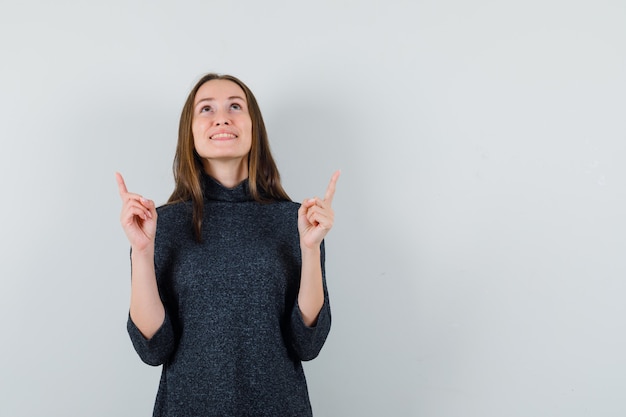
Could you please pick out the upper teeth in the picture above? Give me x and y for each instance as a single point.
(222, 135)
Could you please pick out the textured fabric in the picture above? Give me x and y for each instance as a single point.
(233, 338)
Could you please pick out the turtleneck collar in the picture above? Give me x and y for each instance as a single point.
(214, 191)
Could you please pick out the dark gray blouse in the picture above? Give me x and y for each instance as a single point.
(233, 338)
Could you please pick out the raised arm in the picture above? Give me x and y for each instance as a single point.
(315, 219)
(139, 219)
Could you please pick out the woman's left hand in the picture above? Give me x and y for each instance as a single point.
(316, 216)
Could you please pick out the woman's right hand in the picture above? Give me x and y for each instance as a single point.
(138, 218)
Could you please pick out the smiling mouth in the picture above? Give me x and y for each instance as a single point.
(223, 136)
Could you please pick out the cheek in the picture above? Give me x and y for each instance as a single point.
(196, 130)
(196, 135)
(249, 127)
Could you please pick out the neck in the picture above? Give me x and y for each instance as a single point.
(228, 173)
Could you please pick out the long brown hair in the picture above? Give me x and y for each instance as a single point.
(263, 176)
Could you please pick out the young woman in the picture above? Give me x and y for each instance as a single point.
(228, 288)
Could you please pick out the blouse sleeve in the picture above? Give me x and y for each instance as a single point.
(307, 341)
(156, 350)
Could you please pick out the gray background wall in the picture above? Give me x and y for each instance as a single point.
(477, 264)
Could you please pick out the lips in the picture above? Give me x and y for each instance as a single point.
(223, 136)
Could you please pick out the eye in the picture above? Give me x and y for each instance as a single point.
(205, 109)
(237, 106)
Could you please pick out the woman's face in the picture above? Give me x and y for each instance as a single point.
(221, 126)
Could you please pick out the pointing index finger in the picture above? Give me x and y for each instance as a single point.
(121, 185)
(330, 191)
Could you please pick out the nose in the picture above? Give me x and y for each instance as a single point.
(221, 118)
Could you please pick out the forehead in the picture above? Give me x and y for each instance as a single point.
(219, 90)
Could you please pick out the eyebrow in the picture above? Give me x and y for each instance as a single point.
(212, 99)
